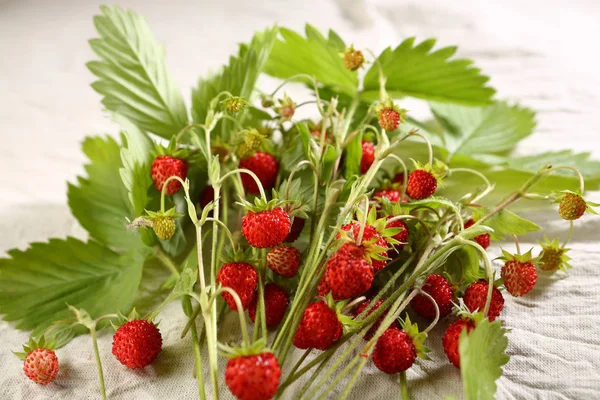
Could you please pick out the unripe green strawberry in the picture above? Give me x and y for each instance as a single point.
(353, 59)
(164, 227)
(553, 256)
(572, 206)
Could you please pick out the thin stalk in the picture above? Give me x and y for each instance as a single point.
(98, 361)
(403, 386)
(404, 173)
(569, 234)
(488, 185)
(240, 311)
(252, 174)
(198, 362)
(261, 293)
(516, 239)
(437, 311)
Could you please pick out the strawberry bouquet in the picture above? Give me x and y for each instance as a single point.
(338, 241)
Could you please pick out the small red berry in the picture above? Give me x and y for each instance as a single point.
(476, 295)
(389, 119)
(392, 195)
(240, 277)
(348, 274)
(440, 289)
(519, 277)
(295, 230)
(368, 156)
(254, 377)
(366, 304)
(137, 343)
(394, 351)
(265, 166)
(41, 366)
(452, 337)
(163, 167)
(264, 229)
(369, 235)
(421, 184)
(276, 303)
(284, 260)
(401, 236)
(483, 240)
(319, 327)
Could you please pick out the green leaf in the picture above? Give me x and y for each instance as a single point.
(415, 71)
(36, 285)
(133, 77)
(238, 77)
(314, 55)
(491, 129)
(101, 202)
(329, 158)
(463, 265)
(482, 355)
(353, 157)
(506, 222)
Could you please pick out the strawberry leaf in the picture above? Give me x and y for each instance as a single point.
(37, 284)
(506, 222)
(133, 77)
(491, 129)
(238, 77)
(482, 355)
(353, 157)
(100, 201)
(415, 71)
(314, 55)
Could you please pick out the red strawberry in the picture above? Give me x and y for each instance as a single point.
(394, 351)
(348, 274)
(137, 343)
(267, 228)
(369, 234)
(206, 196)
(276, 302)
(163, 167)
(368, 156)
(475, 297)
(452, 337)
(323, 288)
(265, 166)
(421, 184)
(389, 119)
(401, 236)
(41, 366)
(392, 195)
(399, 178)
(440, 289)
(483, 240)
(353, 59)
(295, 230)
(284, 260)
(240, 277)
(319, 327)
(362, 307)
(254, 377)
(519, 277)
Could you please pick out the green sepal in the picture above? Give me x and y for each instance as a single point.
(237, 255)
(258, 347)
(418, 338)
(170, 213)
(527, 257)
(261, 204)
(439, 169)
(33, 344)
(554, 245)
(171, 150)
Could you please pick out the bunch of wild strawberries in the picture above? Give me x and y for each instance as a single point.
(344, 293)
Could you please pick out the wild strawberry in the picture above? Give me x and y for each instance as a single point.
(553, 256)
(265, 166)
(41, 365)
(276, 302)
(353, 59)
(519, 277)
(267, 228)
(368, 156)
(348, 274)
(476, 295)
(240, 277)
(164, 227)
(163, 167)
(323, 288)
(362, 307)
(451, 339)
(572, 206)
(295, 230)
(421, 184)
(394, 351)
(137, 343)
(284, 260)
(399, 178)
(440, 289)
(319, 327)
(369, 235)
(206, 196)
(401, 236)
(392, 195)
(253, 377)
(483, 240)
(389, 119)
(286, 108)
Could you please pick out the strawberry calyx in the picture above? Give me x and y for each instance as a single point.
(438, 169)
(418, 338)
(261, 204)
(237, 256)
(170, 213)
(133, 315)
(380, 225)
(371, 251)
(251, 349)
(234, 104)
(292, 199)
(248, 142)
(523, 258)
(34, 344)
(172, 150)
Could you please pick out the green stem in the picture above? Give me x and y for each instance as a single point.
(403, 386)
(98, 361)
(489, 186)
(261, 293)
(198, 361)
(569, 234)
(252, 174)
